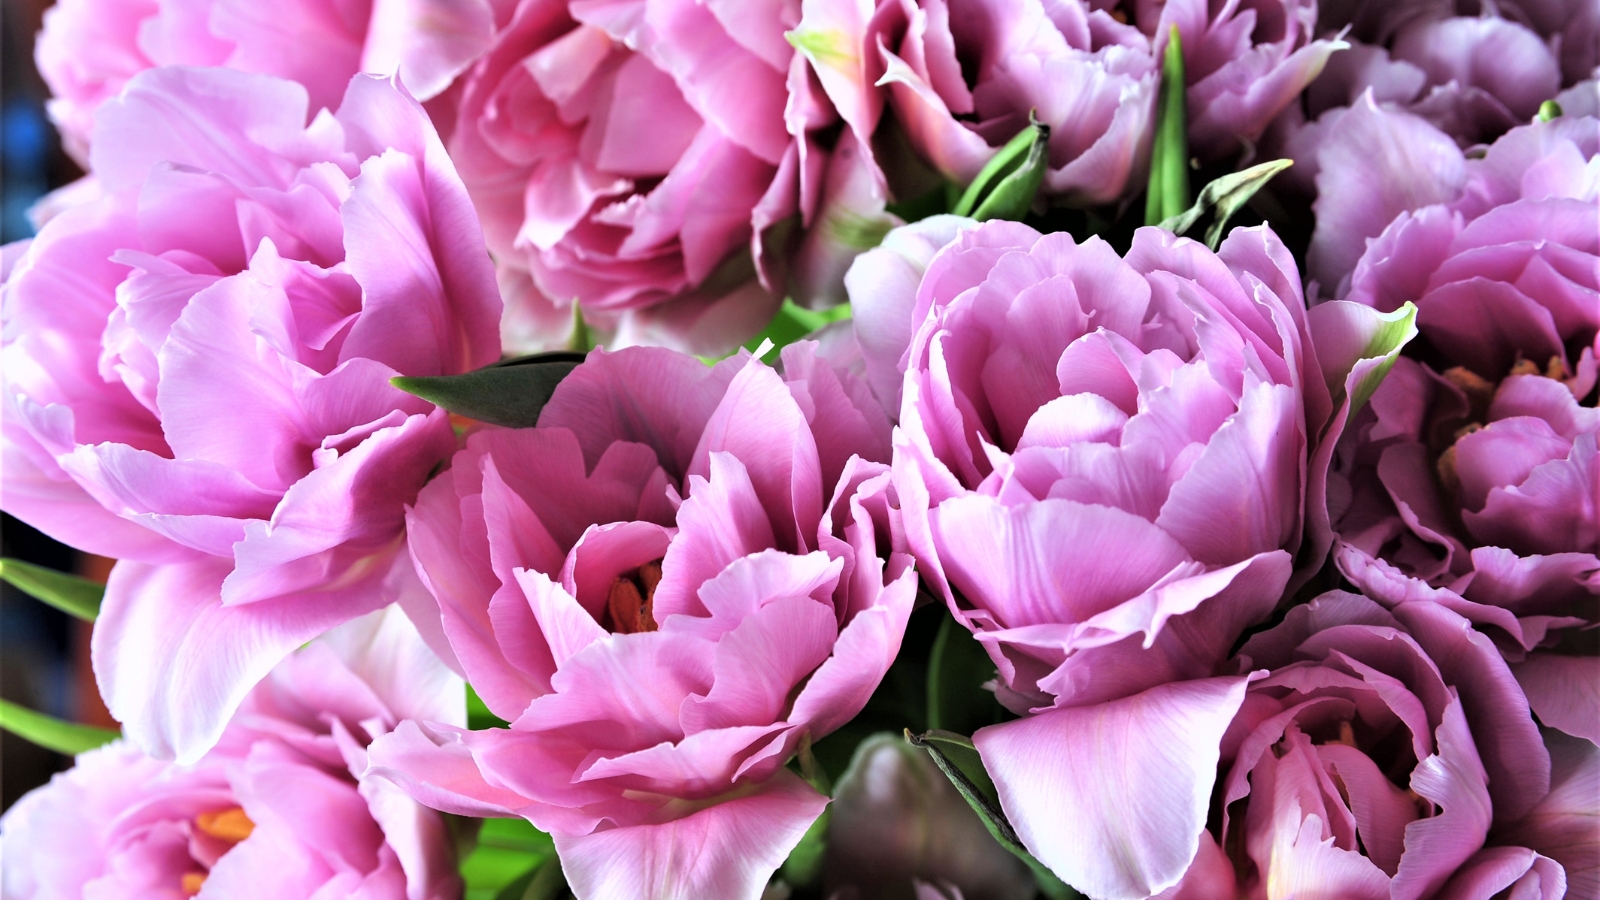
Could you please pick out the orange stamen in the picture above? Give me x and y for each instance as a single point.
(225, 824)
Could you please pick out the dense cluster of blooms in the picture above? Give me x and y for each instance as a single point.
(1262, 566)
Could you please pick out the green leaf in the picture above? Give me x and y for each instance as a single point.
(1169, 156)
(545, 882)
(72, 595)
(510, 393)
(507, 850)
(794, 322)
(479, 717)
(1548, 110)
(958, 759)
(50, 732)
(1005, 187)
(957, 669)
(804, 865)
(1227, 195)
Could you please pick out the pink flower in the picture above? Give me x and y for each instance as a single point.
(280, 809)
(634, 158)
(661, 658)
(197, 376)
(1373, 755)
(961, 77)
(90, 49)
(1473, 479)
(1107, 466)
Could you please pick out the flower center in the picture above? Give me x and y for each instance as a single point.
(630, 603)
(227, 825)
(1480, 393)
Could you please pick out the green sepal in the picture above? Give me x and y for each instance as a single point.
(793, 323)
(1227, 195)
(78, 597)
(1005, 187)
(958, 759)
(510, 393)
(506, 852)
(51, 733)
(957, 669)
(1169, 155)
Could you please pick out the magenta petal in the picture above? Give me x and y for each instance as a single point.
(724, 852)
(1564, 691)
(1562, 826)
(1454, 779)
(1507, 872)
(159, 654)
(1113, 797)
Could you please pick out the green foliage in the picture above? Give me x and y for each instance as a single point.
(958, 759)
(1226, 195)
(1005, 187)
(72, 595)
(50, 732)
(957, 670)
(510, 393)
(509, 853)
(794, 322)
(1169, 156)
(478, 715)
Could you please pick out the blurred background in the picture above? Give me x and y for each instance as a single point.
(44, 654)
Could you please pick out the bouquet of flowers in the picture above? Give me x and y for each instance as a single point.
(733, 449)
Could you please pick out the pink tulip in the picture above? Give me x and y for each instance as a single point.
(1381, 755)
(90, 49)
(650, 161)
(1473, 480)
(962, 76)
(197, 376)
(665, 587)
(1107, 466)
(279, 810)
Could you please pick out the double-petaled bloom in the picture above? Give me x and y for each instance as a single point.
(1108, 467)
(1473, 480)
(962, 77)
(682, 574)
(1380, 754)
(196, 376)
(653, 162)
(90, 49)
(279, 810)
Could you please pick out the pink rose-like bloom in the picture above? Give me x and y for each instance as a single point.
(635, 158)
(660, 659)
(1473, 477)
(196, 376)
(1381, 755)
(278, 810)
(90, 49)
(961, 77)
(1106, 466)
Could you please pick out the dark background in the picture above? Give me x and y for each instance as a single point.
(43, 653)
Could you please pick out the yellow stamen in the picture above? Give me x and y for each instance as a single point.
(1478, 389)
(192, 882)
(1524, 367)
(1555, 369)
(225, 824)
